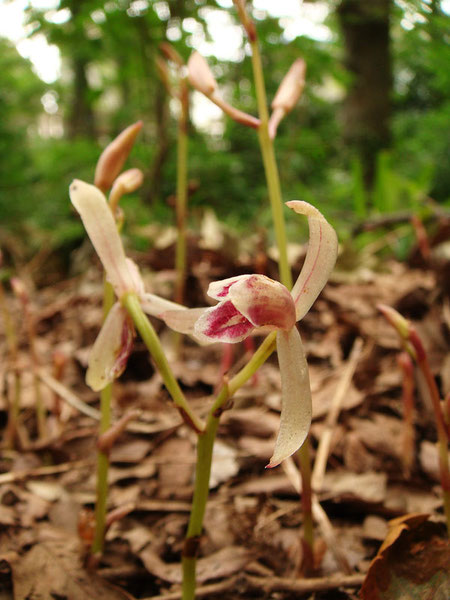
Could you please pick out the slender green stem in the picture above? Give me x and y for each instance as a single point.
(181, 205)
(131, 303)
(270, 167)
(276, 202)
(205, 447)
(103, 458)
(442, 435)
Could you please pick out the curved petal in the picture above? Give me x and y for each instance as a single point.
(222, 323)
(182, 321)
(135, 275)
(320, 257)
(155, 305)
(101, 228)
(111, 349)
(296, 407)
(263, 301)
(219, 290)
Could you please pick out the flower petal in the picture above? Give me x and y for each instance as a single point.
(219, 290)
(156, 306)
(101, 228)
(320, 257)
(111, 349)
(296, 396)
(263, 301)
(222, 323)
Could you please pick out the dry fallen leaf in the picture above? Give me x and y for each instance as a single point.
(413, 562)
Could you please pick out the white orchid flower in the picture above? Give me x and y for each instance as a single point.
(113, 345)
(249, 302)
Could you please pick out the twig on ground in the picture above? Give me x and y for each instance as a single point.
(201, 592)
(67, 395)
(42, 471)
(303, 586)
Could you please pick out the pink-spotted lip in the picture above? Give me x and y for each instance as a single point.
(223, 323)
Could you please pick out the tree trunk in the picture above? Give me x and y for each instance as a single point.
(367, 107)
(81, 120)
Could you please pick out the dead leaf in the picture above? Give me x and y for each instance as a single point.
(413, 562)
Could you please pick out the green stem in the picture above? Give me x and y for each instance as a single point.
(270, 168)
(424, 366)
(276, 202)
(101, 504)
(181, 204)
(205, 447)
(131, 303)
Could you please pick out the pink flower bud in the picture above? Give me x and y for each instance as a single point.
(200, 75)
(114, 156)
(398, 321)
(127, 183)
(19, 289)
(287, 95)
(291, 87)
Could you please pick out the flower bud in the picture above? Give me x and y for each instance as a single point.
(114, 156)
(19, 289)
(288, 93)
(127, 182)
(200, 75)
(401, 325)
(171, 54)
(291, 87)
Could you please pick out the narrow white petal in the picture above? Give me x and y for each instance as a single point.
(320, 257)
(135, 275)
(99, 223)
(111, 349)
(155, 305)
(296, 396)
(182, 321)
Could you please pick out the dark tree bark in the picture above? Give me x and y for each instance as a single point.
(367, 107)
(81, 120)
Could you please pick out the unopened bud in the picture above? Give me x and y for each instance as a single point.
(394, 318)
(200, 75)
(127, 182)
(114, 156)
(287, 95)
(19, 289)
(171, 54)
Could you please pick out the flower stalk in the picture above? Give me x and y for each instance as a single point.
(276, 203)
(413, 345)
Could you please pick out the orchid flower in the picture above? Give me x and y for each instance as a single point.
(113, 345)
(247, 303)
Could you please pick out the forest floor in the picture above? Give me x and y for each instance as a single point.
(251, 546)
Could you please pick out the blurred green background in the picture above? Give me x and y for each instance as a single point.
(370, 134)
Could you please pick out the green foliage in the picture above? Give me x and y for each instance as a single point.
(113, 45)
